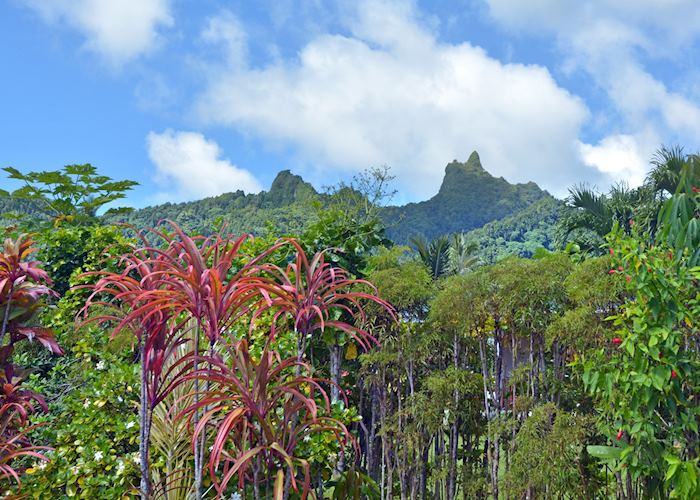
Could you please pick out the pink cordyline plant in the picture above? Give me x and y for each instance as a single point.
(192, 286)
(23, 286)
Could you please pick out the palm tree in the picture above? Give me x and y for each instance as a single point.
(434, 254)
(461, 255)
(444, 256)
(599, 212)
(667, 165)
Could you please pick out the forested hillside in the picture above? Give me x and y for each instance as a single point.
(288, 206)
(516, 219)
(468, 198)
(521, 233)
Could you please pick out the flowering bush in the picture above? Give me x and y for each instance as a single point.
(95, 433)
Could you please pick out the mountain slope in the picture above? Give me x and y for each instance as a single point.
(521, 216)
(521, 233)
(468, 198)
(288, 205)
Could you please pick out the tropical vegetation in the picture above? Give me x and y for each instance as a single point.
(552, 352)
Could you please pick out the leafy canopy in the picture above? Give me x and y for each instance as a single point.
(73, 194)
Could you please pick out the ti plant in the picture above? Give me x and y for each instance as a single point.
(23, 286)
(260, 411)
(198, 292)
(321, 298)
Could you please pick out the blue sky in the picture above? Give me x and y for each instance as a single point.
(196, 98)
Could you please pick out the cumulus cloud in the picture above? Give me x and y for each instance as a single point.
(623, 158)
(387, 91)
(117, 30)
(617, 43)
(192, 166)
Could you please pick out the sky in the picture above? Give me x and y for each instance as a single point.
(197, 98)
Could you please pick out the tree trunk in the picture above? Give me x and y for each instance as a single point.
(198, 451)
(335, 371)
(144, 421)
(424, 470)
(301, 347)
(495, 459)
(454, 429)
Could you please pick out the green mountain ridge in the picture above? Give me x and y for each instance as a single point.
(469, 198)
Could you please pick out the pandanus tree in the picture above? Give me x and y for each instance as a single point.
(23, 286)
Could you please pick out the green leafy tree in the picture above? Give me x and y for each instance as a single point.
(73, 194)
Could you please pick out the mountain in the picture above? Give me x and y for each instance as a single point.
(469, 197)
(288, 205)
(503, 217)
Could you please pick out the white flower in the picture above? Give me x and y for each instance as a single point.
(41, 465)
(74, 470)
(136, 458)
(236, 496)
(120, 399)
(307, 438)
(86, 403)
(98, 455)
(120, 467)
(130, 424)
(101, 365)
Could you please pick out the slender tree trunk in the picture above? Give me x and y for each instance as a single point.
(256, 478)
(533, 382)
(541, 367)
(454, 429)
(495, 459)
(438, 464)
(335, 351)
(144, 421)
(198, 451)
(301, 347)
(373, 466)
(424, 469)
(401, 449)
(484, 375)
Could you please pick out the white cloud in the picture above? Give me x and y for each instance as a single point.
(225, 30)
(117, 30)
(623, 158)
(390, 92)
(193, 165)
(617, 43)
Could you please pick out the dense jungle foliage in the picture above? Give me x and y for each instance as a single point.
(331, 363)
